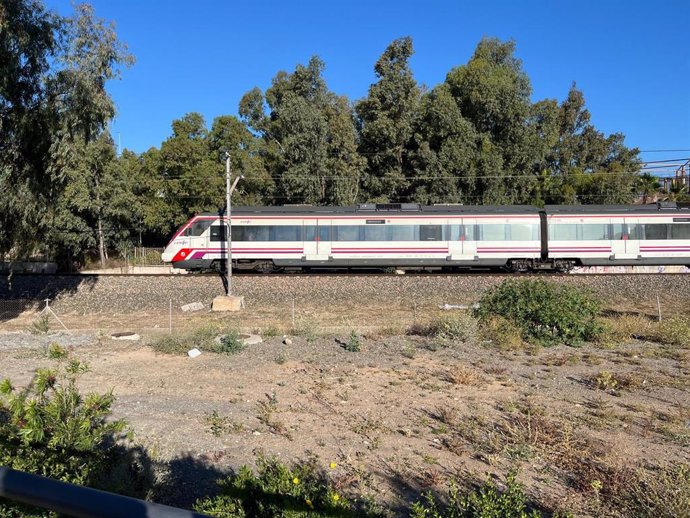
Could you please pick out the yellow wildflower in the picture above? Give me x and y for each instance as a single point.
(309, 504)
(295, 481)
(332, 465)
(336, 497)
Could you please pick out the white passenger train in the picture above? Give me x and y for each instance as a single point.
(516, 238)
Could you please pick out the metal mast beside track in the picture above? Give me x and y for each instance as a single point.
(229, 189)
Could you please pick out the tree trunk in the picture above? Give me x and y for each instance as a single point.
(101, 243)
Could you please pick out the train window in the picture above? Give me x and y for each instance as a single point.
(287, 233)
(401, 232)
(460, 232)
(310, 232)
(680, 231)
(217, 232)
(346, 233)
(430, 232)
(594, 232)
(491, 232)
(563, 232)
(199, 227)
(324, 233)
(655, 231)
(635, 231)
(456, 233)
(375, 233)
(524, 232)
(619, 231)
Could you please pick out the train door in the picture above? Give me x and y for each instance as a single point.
(632, 238)
(469, 240)
(317, 240)
(623, 244)
(461, 242)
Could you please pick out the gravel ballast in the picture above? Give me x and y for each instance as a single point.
(126, 294)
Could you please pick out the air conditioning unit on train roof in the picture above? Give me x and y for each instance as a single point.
(389, 206)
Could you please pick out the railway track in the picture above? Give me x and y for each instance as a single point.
(474, 273)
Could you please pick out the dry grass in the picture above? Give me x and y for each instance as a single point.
(611, 382)
(463, 375)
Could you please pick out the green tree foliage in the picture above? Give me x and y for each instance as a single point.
(53, 101)
(309, 138)
(387, 121)
(98, 206)
(51, 429)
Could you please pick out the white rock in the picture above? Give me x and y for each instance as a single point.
(251, 339)
(287, 341)
(194, 306)
(193, 353)
(125, 336)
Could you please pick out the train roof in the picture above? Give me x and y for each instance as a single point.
(453, 209)
(386, 208)
(651, 208)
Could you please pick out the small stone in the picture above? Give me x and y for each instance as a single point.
(194, 306)
(125, 336)
(287, 341)
(193, 353)
(256, 432)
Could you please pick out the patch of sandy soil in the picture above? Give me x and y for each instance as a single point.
(400, 417)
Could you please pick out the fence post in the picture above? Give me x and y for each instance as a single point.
(293, 311)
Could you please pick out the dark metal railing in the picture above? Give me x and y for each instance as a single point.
(82, 502)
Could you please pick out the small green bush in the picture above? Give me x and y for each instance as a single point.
(56, 352)
(663, 492)
(49, 428)
(354, 342)
(675, 331)
(456, 327)
(502, 333)
(231, 343)
(203, 338)
(547, 313)
(485, 502)
(278, 491)
(40, 326)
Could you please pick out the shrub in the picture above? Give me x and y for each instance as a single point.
(56, 352)
(661, 493)
(460, 326)
(354, 342)
(675, 331)
(278, 491)
(546, 313)
(49, 428)
(486, 501)
(203, 338)
(231, 343)
(40, 326)
(502, 333)
(625, 327)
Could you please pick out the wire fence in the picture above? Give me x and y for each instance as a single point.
(293, 316)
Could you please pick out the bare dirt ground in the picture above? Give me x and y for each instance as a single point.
(400, 417)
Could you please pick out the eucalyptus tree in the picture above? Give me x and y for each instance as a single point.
(386, 120)
(310, 140)
(229, 135)
(53, 103)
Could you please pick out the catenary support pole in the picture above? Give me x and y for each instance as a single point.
(228, 238)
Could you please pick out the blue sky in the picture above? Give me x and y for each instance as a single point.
(628, 57)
